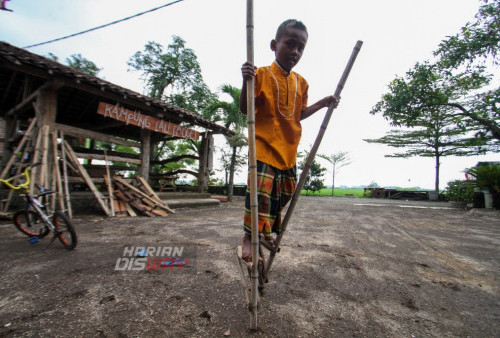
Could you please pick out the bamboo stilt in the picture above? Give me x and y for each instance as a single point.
(244, 268)
(254, 276)
(311, 156)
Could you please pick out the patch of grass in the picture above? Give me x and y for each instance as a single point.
(338, 192)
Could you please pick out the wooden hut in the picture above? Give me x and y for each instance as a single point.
(45, 105)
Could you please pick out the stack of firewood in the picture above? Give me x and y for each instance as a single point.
(137, 196)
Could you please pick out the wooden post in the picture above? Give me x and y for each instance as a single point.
(45, 112)
(254, 275)
(312, 154)
(46, 107)
(145, 153)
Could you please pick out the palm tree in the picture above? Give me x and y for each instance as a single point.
(233, 119)
(338, 160)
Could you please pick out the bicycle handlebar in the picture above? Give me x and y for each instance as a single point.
(25, 173)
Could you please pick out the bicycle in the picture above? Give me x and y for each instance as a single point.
(34, 220)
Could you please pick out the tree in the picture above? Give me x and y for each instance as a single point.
(175, 157)
(197, 98)
(463, 80)
(175, 68)
(434, 134)
(174, 75)
(473, 48)
(226, 158)
(236, 121)
(338, 160)
(313, 181)
(425, 88)
(477, 40)
(450, 104)
(78, 62)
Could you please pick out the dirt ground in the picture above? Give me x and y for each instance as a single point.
(348, 267)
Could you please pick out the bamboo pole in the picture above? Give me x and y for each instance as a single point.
(27, 136)
(65, 176)
(254, 275)
(57, 171)
(312, 154)
(109, 185)
(53, 182)
(44, 170)
(74, 159)
(36, 158)
(28, 140)
(6, 202)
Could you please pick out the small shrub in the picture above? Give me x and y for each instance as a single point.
(460, 191)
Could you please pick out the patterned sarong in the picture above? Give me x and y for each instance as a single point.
(275, 188)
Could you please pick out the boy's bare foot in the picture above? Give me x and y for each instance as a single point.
(246, 247)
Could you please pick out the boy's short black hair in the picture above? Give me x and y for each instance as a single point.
(292, 23)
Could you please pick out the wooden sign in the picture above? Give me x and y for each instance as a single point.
(136, 118)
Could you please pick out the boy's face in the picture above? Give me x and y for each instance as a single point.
(289, 48)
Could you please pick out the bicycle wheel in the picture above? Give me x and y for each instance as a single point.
(64, 230)
(30, 223)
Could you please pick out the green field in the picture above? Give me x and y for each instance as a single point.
(337, 192)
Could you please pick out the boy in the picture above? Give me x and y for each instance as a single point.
(280, 105)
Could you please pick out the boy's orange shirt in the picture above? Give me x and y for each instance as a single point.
(280, 98)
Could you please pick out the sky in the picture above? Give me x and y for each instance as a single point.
(395, 33)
